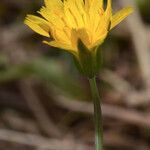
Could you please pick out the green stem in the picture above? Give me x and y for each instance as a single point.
(97, 115)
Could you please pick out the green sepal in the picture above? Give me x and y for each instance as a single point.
(88, 60)
(99, 57)
(77, 64)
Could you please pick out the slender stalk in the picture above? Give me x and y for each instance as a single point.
(97, 115)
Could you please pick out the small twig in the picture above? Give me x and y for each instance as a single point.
(140, 40)
(118, 83)
(119, 140)
(39, 112)
(41, 142)
(129, 94)
(128, 116)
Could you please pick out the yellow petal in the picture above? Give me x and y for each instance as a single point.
(108, 11)
(74, 38)
(79, 34)
(53, 4)
(120, 15)
(100, 40)
(73, 11)
(94, 11)
(83, 35)
(101, 31)
(50, 16)
(58, 45)
(38, 25)
(61, 35)
(89, 3)
(101, 3)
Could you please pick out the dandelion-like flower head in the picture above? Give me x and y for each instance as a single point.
(64, 22)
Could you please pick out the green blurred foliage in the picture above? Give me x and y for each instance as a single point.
(46, 70)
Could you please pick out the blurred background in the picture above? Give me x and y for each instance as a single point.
(45, 104)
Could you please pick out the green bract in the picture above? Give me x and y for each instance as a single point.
(88, 61)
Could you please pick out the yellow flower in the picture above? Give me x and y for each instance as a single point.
(64, 22)
(79, 27)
